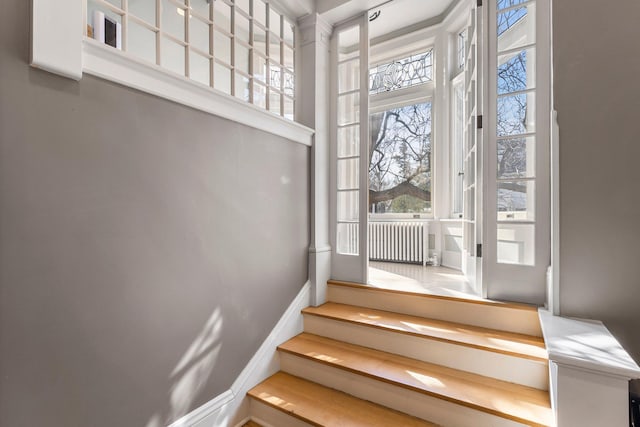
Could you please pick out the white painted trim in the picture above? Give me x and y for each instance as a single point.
(553, 293)
(589, 372)
(585, 345)
(553, 297)
(314, 29)
(589, 399)
(293, 9)
(56, 37)
(114, 65)
(198, 414)
(223, 409)
(320, 249)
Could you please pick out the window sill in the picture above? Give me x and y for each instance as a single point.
(114, 65)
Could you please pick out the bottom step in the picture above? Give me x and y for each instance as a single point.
(322, 406)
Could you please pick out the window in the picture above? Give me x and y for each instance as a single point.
(244, 48)
(401, 73)
(400, 127)
(400, 179)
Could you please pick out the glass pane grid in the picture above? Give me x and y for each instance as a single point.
(516, 114)
(178, 37)
(242, 8)
(348, 145)
(504, 5)
(349, 141)
(200, 9)
(516, 132)
(145, 15)
(348, 238)
(516, 72)
(516, 27)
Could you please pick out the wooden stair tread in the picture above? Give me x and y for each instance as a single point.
(322, 406)
(512, 401)
(525, 346)
(480, 301)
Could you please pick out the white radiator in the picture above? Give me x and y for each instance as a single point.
(397, 241)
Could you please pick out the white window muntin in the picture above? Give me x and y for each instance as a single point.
(283, 37)
(457, 146)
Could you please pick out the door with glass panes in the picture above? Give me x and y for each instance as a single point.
(472, 188)
(517, 211)
(349, 150)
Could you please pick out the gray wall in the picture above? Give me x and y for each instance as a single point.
(146, 249)
(597, 95)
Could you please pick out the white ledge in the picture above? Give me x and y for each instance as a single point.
(587, 345)
(115, 65)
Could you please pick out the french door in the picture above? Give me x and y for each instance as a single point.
(517, 211)
(349, 181)
(473, 151)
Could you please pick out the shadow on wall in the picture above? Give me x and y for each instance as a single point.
(191, 373)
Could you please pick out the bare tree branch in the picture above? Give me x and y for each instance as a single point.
(404, 188)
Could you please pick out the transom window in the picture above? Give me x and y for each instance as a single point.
(401, 73)
(244, 48)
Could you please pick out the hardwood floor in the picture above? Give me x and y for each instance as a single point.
(387, 357)
(501, 398)
(487, 339)
(322, 406)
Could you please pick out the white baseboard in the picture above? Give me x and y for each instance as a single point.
(214, 406)
(224, 409)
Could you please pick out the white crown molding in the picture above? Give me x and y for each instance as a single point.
(114, 65)
(294, 8)
(314, 28)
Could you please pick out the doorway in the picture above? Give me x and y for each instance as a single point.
(419, 114)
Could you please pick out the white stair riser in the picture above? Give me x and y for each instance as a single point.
(399, 398)
(487, 316)
(491, 364)
(270, 416)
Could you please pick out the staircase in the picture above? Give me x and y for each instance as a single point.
(377, 357)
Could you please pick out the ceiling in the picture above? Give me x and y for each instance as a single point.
(394, 14)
